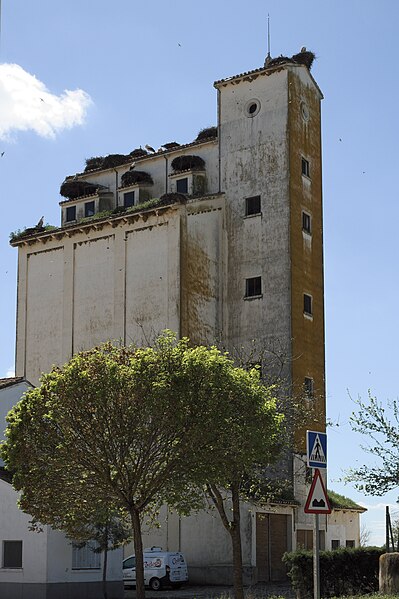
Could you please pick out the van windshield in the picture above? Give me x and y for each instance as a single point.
(130, 562)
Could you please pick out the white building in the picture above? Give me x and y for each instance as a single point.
(40, 565)
(220, 240)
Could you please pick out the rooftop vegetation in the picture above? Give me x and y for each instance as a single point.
(162, 201)
(27, 231)
(338, 501)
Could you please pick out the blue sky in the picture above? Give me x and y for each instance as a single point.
(142, 73)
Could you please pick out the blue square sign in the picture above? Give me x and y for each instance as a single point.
(316, 449)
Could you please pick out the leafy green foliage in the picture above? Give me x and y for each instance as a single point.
(109, 530)
(380, 423)
(127, 429)
(342, 572)
(20, 233)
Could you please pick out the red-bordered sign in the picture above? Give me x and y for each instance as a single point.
(317, 501)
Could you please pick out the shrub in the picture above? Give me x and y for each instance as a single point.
(171, 198)
(342, 572)
(27, 231)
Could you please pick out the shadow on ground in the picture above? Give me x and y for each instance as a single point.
(209, 592)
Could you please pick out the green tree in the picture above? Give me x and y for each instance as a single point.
(250, 441)
(106, 531)
(127, 429)
(380, 424)
(266, 432)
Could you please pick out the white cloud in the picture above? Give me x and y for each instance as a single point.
(27, 104)
(10, 372)
(378, 506)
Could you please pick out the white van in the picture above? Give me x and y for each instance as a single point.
(160, 568)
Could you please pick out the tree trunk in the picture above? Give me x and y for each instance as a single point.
(105, 564)
(235, 531)
(138, 552)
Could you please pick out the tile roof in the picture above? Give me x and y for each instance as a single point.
(12, 380)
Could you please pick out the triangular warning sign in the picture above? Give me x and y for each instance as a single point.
(317, 452)
(317, 501)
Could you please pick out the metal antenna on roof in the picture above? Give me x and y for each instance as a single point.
(268, 57)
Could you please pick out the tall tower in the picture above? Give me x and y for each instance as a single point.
(270, 172)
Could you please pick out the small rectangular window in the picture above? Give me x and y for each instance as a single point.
(89, 209)
(70, 213)
(350, 543)
(182, 185)
(306, 223)
(128, 199)
(84, 558)
(253, 286)
(335, 544)
(12, 554)
(308, 387)
(305, 167)
(307, 304)
(252, 205)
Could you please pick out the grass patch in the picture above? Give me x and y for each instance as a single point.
(371, 596)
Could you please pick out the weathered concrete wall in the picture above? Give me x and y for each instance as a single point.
(343, 525)
(14, 526)
(254, 161)
(306, 249)
(59, 562)
(202, 271)
(152, 294)
(120, 281)
(43, 309)
(93, 295)
(205, 543)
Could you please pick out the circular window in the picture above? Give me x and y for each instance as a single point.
(252, 108)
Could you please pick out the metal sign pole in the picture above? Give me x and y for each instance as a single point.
(316, 558)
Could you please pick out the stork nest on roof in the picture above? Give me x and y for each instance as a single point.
(207, 133)
(183, 163)
(72, 189)
(103, 162)
(133, 177)
(306, 58)
(138, 153)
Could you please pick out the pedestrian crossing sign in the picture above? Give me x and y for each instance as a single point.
(316, 448)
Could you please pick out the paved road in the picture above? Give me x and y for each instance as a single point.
(208, 592)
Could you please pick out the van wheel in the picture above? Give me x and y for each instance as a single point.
(155, 584)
